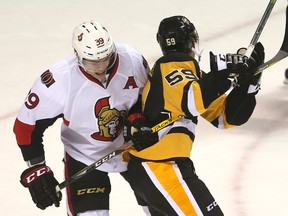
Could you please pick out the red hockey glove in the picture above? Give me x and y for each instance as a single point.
(41, 183)
(137, 129)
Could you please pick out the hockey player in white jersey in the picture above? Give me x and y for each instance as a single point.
(91, 91)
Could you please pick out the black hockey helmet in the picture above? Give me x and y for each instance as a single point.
(176, 34)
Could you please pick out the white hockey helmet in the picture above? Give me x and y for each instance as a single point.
(92, 41)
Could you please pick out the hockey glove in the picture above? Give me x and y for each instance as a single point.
(251, 65)
(227, 64)
(222, 67)
(137, 129)
(41, 183)
(227, 61)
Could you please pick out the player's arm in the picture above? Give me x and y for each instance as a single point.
(138, 129)
(241, 101)
(225, 66)
(38, 178)
(236, 108)
(39, 111)
(43, 105)
(216, 82)
(29, 138)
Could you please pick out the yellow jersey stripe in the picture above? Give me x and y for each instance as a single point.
(167, 179)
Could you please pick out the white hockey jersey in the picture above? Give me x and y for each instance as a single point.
(92, 112)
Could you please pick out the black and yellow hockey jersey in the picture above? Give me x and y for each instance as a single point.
(178, 89)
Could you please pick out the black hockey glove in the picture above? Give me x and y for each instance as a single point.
(227, 64)
(247, 73)
(137, 129)
(222, 67)
(41, 183)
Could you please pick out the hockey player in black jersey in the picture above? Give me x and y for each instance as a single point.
(160, 170)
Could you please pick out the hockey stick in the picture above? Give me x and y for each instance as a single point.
(282, 53)
(109, 156)
(260, 27)
(92, 166)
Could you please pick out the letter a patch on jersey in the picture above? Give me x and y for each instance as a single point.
(131, 83)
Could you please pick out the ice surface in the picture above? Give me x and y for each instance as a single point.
(245, 168)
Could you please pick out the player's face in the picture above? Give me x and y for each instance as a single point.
(97, 68)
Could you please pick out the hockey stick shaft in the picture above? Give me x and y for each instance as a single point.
(109, 156)
(94, 165)
(260, 28)
(282, 53)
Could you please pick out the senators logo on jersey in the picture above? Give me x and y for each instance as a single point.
(110, 121)
(47, 78)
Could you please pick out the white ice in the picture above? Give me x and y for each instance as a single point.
(245, 168)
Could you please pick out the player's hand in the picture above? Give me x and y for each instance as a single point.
(247, 73)
(137, 129)
(41, 183)
(238, 66)
(227, 64)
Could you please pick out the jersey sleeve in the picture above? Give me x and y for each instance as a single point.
(144, 70)
(240, 105)
(141, 68)
(231, 110)
(43, 105)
